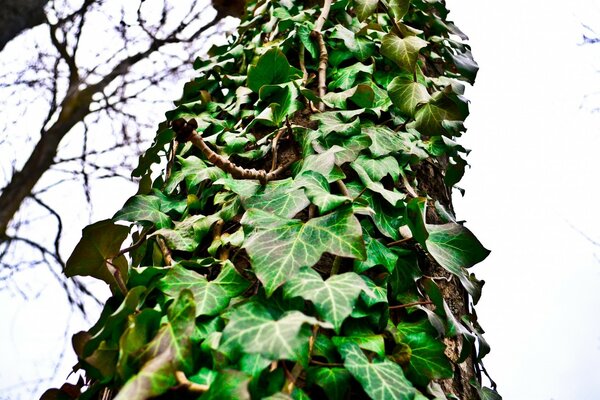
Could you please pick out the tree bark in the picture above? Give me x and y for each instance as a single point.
(18, 16)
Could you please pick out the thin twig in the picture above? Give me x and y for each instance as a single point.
(397, 242)
(274, 147)
(188, 385)
(416, 303)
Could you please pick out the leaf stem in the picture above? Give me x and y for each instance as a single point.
(191, 387)
(323, 56)
(416, 303)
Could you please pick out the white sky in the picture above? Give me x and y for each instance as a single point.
(534, 174)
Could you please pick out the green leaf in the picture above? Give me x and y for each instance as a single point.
(362, 95)
(211, 297)
(383, 140)
(168, 352)
(283, 197)
(283, 101)
(344, 78)
(377, 168)
(229, 384)
(304, 34)
(93, 255)
(404, 52)
(392, 196)
(454, 247)
(381, 380)
(140, 329)
(432, 118)
(365, 8)
(253, 330)
(407, 94)
(370, 342)
(279, 247)
(272, 68)
(427, 357)
(361, 48)
(399, 8)
(334, 381)
(334, 121)
(317, 190)
(193, 171)
(333, 298)
(377, 254)
(188, 233)
(143, 208)
(323, 163)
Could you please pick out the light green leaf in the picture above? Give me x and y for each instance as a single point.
(361, 48)
(93, 255)
(253, 330)
(377, 168)
(344, 78)
(279, 247)
(334, 381)
(211, 297)
(383, 140)
(370, 342)
(334, 121)
(427, 356)
(187, 234)
(143, 208)
(365, 8)
(404, 52)
(317, 190)
(283, 198)
(399, 8)
(362, 95)
(381, 380)
(193, 171)
(392, 196)
(333, 298)
(407, 94)
(454, 247)
(323, 163)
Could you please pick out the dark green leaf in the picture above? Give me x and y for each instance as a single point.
(365, 8)
(143, 208)
(228, 385)
(407, 95)
(334, 381)
(272, 68)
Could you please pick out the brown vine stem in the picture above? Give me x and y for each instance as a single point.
(186, 131)
(324, 364)
(416, 303)
(191, 387)
(323, 56)
(166, 252)
(274, 144)
(297, 370)
(397, 242)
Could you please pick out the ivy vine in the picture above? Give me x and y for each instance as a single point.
(280, 253)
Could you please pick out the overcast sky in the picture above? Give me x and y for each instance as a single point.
(532, 186)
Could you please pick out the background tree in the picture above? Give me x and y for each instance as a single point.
(301, 241)
(78, 95)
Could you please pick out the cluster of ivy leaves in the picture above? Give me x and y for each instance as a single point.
(310, 285)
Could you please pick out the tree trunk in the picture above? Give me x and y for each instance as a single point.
(302, 243)
(19, 15)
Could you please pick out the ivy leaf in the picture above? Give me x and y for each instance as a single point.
(333, 298)
(283, 101)
(283, 197)
(407, 94)
(391, 196)
(304, 34)
(229, 384)
(454, 247)
(334, 381)
(377, 254)
(361, 48)
(93, 255)
(194, 171)
(381, 380)
(143, 208)
(404, 52)
(431, 118)
(362, 95)
(365, 8)
(187, 234)
(272, 68)
(427, 357)
(377, 168)
(317, 190)
(333, 121)
(370, 342)
(344, 78)
(324, 164)
(211, 297)
(253, 330)
(278, 247)
(383, 140)
(399, 8)
(168, 352)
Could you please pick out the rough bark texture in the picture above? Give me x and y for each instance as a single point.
(19, 15)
